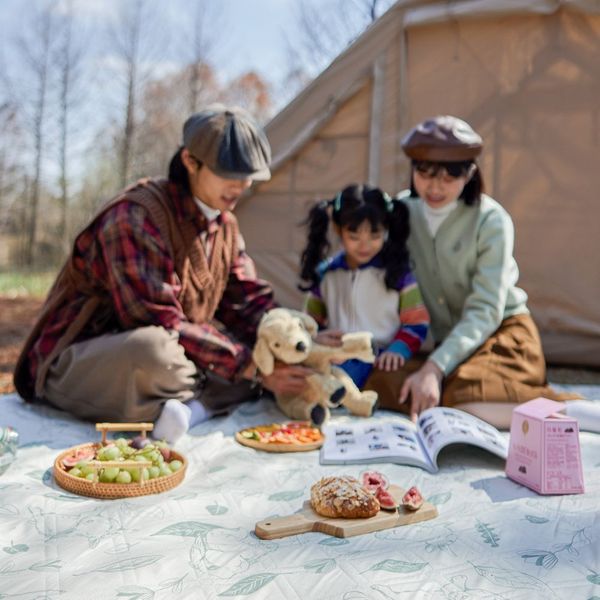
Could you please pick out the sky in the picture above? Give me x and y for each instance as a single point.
(251, 35)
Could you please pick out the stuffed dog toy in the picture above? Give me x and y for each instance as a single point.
(287, 336)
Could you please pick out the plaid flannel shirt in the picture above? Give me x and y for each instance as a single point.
(126, 255)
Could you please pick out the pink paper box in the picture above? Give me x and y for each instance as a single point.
(544, 452)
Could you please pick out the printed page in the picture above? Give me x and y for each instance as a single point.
(373, 441)
(441, 426)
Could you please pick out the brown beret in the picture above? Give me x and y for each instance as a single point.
(442, 139)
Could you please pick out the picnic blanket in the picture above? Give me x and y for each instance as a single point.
(493, 539)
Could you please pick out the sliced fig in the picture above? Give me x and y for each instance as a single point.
(373, 480)
(386, 500)
(79, 455)
(412, 500)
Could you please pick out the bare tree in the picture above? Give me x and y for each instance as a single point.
(130, 50)
(207, 21)
(133, 38)
(35, 47)
(250, 91)
(68, 63)
(9, 167)
(326, 29)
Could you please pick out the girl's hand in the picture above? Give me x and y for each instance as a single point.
(389, 361)
(424, 387)
(329, 337)
(287, 379)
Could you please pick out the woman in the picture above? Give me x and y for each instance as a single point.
(488, 354)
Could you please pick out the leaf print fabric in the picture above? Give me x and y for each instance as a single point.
(197, 541)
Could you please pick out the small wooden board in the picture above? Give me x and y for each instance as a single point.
(277, 447)
(308, 520)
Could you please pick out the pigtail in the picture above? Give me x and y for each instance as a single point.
(317, 246)
(395, 253)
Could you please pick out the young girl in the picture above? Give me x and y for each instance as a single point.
(488, 353)
(368, 286)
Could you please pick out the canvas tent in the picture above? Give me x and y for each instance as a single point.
(526, 75)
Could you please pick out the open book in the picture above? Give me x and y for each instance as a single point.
(400, 441)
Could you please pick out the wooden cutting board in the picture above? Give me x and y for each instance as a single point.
(308, 520)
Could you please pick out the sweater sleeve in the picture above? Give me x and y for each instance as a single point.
(484, 306)
(414, 319)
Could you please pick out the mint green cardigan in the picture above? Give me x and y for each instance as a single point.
(467, 275)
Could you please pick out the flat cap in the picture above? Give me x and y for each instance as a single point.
(229, 142)
(442, 139)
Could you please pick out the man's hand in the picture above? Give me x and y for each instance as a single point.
(287, 379)
(329, 337)
(424, 387)
(389, 361)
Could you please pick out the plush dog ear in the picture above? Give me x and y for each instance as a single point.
(309, 323)
(263, 358)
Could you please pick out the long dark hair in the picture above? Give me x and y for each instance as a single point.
(349, 209)
(473, 189)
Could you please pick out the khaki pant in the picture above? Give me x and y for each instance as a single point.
(508, 368)
(128, 376)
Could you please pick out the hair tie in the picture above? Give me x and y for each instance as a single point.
(389, 202)
(337, 202)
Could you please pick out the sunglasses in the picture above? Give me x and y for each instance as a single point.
(453, 170)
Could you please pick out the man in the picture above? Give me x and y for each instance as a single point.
(154, 313)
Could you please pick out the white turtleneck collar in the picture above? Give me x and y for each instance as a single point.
(434, 217)
(210, 213)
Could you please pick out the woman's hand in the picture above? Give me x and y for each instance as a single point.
(287, 379)
(424, 387)
(329, 337)
(389, 361)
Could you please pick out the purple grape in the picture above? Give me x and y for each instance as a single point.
(139, 442)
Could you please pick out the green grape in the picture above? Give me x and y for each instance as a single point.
(76, 472)
(82, 464)
(87, 470)
(135, 474)
(110, 473)
(123, 477)
(91, 476)
(175, 465)
(145, 474)
(164, 470)
(109, 453)
(121, 443)
(139, 458)
(153, 472)
(152, 456)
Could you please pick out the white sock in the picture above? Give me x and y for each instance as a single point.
(586, 412)
(199, 412)
(173, 422)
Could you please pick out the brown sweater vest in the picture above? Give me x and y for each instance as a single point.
(202, 284)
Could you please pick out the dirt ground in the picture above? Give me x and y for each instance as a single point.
(16, 318)
(18, 314)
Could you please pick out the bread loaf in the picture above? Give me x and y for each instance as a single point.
(342, 497)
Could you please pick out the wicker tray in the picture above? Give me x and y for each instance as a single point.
(98, 489)
(266, 447)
